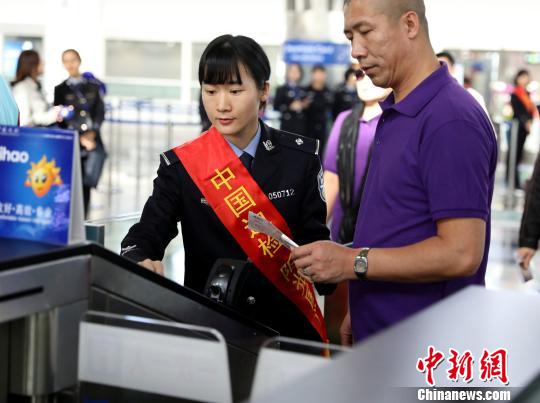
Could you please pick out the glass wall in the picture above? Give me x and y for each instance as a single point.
(143, 69)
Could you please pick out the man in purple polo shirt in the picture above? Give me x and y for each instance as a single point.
(424, 222)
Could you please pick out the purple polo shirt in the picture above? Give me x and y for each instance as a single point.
(367, 132)
(434, 158)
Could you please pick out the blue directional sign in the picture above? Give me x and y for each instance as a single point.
(315, 52)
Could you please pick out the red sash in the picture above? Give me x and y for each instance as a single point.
(232, 192)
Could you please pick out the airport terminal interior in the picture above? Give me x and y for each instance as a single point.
(90, 316)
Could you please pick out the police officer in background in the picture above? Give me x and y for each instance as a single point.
(320, 100)
(87, 116)
(290, 101)
(234, 73)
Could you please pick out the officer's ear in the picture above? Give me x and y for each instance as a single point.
(265, 91)
(263, 98)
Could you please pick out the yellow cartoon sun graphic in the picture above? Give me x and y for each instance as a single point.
(43, 176)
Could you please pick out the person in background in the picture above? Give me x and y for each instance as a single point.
(240, 164)
(345, 171)
(423, 228)
(345, 95)
(524, 112)
(33, 107)
(9, 113)
(290, 102)
(319, 106)
(450, 61)
(468, 85)
(529, 231)
(88, 113)
(346, 157)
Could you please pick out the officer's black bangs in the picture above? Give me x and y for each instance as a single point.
(220, 66)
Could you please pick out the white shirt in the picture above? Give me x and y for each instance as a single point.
(33, 108)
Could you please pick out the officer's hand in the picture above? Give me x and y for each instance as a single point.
(345, 331)
(88, 140)
(325, 261)
(296, 106)
(153, 265)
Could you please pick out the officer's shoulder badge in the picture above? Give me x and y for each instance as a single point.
(169, 157)
(298, 142)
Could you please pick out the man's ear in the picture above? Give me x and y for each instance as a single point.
(411, 24)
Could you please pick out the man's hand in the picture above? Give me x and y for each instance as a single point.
(325, 261)
(345, 331)
(153, 265)
(524, 257)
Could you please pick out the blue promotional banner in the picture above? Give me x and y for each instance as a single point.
(37, 176)
(314, 52)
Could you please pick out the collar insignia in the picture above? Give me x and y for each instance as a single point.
(268, 145)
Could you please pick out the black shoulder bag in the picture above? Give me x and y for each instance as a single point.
(346, 157)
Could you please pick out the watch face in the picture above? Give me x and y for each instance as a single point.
(363, 264)
(360, 265)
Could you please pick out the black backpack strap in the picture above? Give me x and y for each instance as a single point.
(346, 157)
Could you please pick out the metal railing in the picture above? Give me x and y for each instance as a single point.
(135, 132)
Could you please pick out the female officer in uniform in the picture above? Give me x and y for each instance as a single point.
(88, 115)
(198, 184)
(290, 101)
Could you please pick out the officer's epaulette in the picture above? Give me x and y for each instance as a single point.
(298, 142)
(169, 157)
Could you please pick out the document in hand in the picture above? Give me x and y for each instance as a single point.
(259, 224)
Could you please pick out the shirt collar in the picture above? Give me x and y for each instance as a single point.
(413, 103)
(75, 80)
(251, 148)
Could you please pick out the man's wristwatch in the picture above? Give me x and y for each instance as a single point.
(361, 264)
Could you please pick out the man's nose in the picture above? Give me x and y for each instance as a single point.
(358, 50)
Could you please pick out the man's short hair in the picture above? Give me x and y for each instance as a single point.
(396, 8)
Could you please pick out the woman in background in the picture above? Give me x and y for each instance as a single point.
(346, 163)
(290, 101)
(33, 108)
(524, 112)
(347, 157)
(88, 115)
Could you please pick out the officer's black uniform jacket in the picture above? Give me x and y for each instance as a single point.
(90, 105)
(288, 170)
(317, 113)
(291, 121)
